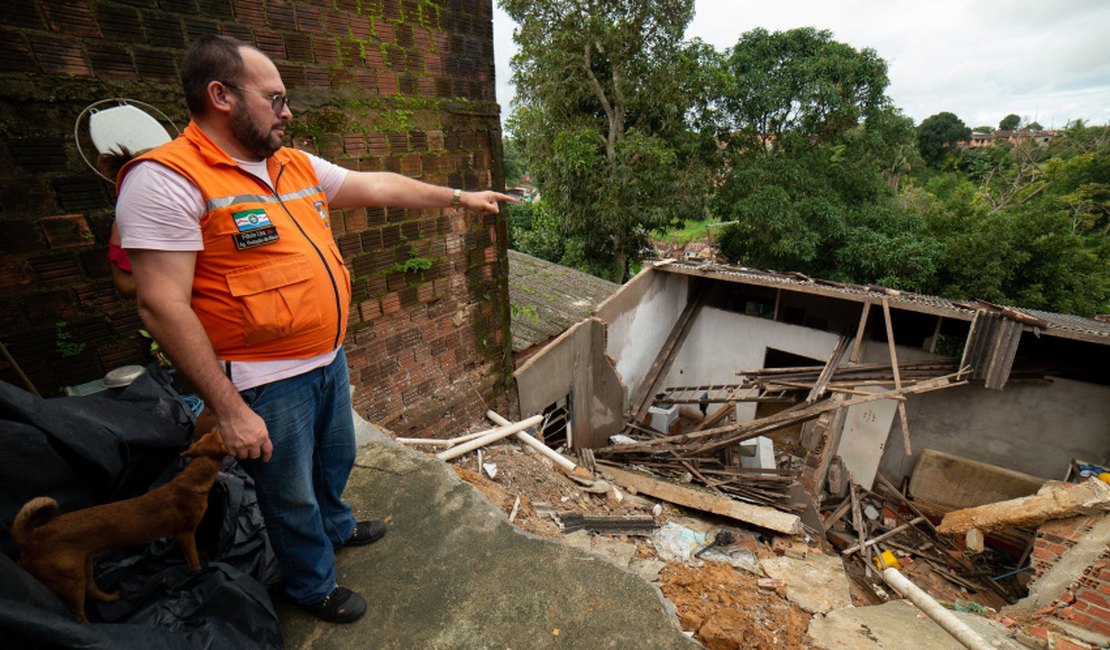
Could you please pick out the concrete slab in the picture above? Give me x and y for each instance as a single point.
(817, 584)
(898, 625)
(453, 573)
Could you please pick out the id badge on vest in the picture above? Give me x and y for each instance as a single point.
(254, 229)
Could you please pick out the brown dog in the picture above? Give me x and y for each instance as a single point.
(59, 550)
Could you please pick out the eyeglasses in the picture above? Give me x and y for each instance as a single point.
(278, 102)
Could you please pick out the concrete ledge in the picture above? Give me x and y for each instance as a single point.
(453, 573)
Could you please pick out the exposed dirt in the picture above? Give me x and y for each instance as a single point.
(526, 517)
(725, 608)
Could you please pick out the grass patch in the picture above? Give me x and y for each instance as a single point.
(691, 231)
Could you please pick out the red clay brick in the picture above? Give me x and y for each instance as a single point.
(1095, 598)
(387, 83)
(391, 303)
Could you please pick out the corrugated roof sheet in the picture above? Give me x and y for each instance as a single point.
(547, 298)
(1066, 325)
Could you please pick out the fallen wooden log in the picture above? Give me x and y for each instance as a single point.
(1052, 502)
(751, 514)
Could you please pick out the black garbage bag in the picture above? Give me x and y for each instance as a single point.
(111, 446)
(87, 450)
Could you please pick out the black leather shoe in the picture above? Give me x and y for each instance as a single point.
(341, 606)
(366, 532)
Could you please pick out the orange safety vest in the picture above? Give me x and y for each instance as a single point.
(270, 283)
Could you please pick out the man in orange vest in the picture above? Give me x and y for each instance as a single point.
(240, 281)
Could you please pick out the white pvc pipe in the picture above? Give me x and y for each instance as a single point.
(934, 610)
(496, 434)
(559, 459)
(450, 442)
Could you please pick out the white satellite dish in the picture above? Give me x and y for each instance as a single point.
(115, 124)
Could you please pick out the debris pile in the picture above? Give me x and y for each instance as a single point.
(764, 554)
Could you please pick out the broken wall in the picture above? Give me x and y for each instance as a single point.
(575, 364)
(639, 318)
(1035, 427)
(394, 85)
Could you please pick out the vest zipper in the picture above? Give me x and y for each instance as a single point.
(327, 267)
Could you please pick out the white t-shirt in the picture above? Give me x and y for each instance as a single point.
(159, 209)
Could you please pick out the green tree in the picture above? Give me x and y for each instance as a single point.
(1034, 126)
(799, 81)
(601, 113)
(515, 165)
(534, 230)
(1023, 225)
(1010, 122)
(938, 134)
(814, 152)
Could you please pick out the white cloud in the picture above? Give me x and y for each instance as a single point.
(981, 60)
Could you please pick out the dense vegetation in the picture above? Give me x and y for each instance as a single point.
(626, 131)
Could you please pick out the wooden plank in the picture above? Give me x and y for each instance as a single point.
(717, 416)
(823, 379)
(858, 345)
(835, 516)
(903, 420)
(858, 524)
(751, 514)
(693, 470)
(890, 533)
(936, 335)
(658, 371)
(745, 430)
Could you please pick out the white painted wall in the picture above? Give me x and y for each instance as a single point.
(722, 342)
(1033, 428)
(640, 317)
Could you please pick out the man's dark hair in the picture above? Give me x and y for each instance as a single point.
(213, 57)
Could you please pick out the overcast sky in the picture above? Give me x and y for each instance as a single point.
(1047, 60)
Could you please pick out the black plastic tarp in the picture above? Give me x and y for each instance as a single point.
(84, 451)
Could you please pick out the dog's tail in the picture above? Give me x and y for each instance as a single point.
(33, 514)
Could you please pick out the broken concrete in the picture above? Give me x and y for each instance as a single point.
(898, 625)
(1052, 502)
(575, 364)
(955, 482)
(452, 573)
(817, 584)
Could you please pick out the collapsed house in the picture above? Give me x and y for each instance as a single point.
(860, 414)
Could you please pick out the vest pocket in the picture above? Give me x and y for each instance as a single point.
(277, 298)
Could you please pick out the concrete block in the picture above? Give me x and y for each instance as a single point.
(764, 457)
(663, 418)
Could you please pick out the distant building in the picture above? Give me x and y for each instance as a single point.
(983, 140)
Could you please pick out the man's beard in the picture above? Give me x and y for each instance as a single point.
(260, 142)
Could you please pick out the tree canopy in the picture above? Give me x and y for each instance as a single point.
(938, 134)
(1010, 122)
(601, 115)
(627, 130)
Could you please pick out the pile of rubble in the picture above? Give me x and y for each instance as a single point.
(750, 558)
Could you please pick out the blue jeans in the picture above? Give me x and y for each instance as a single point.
(300, 488)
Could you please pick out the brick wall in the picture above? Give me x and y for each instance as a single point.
(1086, 601)
(399, 85)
